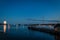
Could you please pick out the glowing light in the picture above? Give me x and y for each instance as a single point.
(5, 26)
(5, 22)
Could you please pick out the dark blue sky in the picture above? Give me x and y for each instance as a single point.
(18, 11)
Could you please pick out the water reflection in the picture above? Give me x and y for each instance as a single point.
(57, 37)
(16, 27)
(8, 27)
(22, 29)
(4, 28)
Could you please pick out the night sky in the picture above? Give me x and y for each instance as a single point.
(18, 11)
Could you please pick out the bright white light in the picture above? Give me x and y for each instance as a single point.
(4, 22)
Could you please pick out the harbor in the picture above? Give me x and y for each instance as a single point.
(29, 19)
(28, 31)
(55, 30)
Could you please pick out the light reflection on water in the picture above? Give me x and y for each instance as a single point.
(4, 28)
(22, 32)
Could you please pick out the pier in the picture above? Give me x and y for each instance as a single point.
(55, 30)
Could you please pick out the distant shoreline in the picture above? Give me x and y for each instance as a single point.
(2, 24)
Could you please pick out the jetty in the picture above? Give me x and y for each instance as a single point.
(55, 31)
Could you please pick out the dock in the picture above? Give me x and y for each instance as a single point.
(55, 31)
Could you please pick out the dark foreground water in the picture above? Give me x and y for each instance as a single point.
(23, 33)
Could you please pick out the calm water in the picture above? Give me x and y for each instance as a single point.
(22, 33)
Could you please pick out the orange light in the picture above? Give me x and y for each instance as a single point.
(4, 28)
